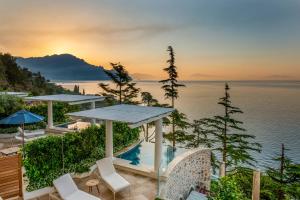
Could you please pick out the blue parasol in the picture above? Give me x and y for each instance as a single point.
(22, 117)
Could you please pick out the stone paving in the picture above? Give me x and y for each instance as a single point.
(142, 188)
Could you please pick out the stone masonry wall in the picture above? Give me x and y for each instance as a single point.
(186, 170)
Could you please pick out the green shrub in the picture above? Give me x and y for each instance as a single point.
(59, 111)
(44, 158)
(10, 104)
(226, 189)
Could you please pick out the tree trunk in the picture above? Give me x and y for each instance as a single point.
(173, 126)
(120, 94)
(280, 191)
(147, 132)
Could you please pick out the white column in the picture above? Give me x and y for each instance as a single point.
(93, 106)
(158, 144)
(108, 138)
(50, 114)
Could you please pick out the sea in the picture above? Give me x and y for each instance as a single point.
(271, 109)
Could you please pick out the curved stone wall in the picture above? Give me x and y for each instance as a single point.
(186, 170)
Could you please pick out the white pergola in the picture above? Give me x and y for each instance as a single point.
(66, 98)
(134, 116)
(19, 94)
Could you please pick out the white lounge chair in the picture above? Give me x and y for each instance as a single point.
(68, 190)
(29, 136)
(113, 180)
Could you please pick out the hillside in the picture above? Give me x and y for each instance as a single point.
(63, 67)
(15, 78)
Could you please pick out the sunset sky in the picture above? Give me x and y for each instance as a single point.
(212, 39)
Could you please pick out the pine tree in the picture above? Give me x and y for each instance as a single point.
(170, 86)
(228, 138)
(125, 91)
(287, 177)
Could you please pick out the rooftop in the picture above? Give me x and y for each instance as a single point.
(68, 98)
(19, 94)
(132, 114)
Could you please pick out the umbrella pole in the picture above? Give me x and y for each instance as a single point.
(23, 142)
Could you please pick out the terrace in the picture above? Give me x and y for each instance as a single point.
(147, 182)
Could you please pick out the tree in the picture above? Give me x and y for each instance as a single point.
(15, 78)
(125, 91)
(76, 89)
(148, 100)
(227, 133)
(170, 86)
(226, 188)
(287, 177)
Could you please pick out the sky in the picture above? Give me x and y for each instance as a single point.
(212, 39)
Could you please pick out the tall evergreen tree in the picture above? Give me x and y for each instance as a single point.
(287, 177)
(170, 86)
(125, 90)
(234, 146)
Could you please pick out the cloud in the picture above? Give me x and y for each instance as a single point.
(141, 76)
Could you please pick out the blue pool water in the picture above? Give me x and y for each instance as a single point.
(143, 153)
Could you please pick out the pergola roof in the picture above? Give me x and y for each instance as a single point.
(19, 94)
(68, 98)
(132, 114)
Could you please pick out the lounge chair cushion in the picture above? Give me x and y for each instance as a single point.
(116, 182)
(80, 195)
(105, 166)
(65, 186)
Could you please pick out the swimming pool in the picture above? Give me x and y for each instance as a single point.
(143, 153)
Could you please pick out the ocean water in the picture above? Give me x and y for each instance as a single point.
(271, 109)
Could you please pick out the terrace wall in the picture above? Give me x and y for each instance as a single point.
(188, 169)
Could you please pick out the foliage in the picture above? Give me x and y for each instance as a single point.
(79, 150)
(10, 104)
(228, 139)
(59, 110)
(170, 86)
(15, 78)
(286, 176)
(76, 89)
(226, 189)
(125, 91)
(180, 124)
(148, 100)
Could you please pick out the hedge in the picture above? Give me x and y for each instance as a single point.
(43, 157)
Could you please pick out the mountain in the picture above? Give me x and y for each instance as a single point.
(15, 78)
(63, 67)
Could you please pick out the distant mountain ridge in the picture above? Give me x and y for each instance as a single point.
(63, 67)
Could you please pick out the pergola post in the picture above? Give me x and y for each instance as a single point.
(93, 106)
(50, 114)
(158, 144)
(108, 138)
(256, 185)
